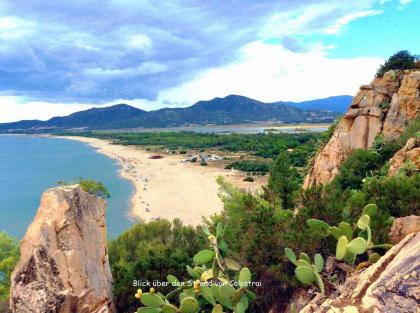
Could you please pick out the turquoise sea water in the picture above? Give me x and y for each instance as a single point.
(29, 165)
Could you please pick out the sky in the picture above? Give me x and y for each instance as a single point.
(58, 57)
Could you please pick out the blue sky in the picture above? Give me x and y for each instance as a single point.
(57, 57)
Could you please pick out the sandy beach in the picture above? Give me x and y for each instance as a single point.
(167, 187)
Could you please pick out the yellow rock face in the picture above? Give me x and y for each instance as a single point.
(383, 107)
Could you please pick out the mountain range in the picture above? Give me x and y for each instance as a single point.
(232, 109)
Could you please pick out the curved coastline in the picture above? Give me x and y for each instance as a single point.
(164, 188)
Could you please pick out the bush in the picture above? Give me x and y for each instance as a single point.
(203, 163)
(401, 60)
(91, 186)
(207, 289)
(360, 164)
(9, 256)
(193, 159)
(248, 179)
(259, 232)
(249, 166)
(151, 251)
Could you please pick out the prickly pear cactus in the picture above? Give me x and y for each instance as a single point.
(218, 284)
(306, 272)
(349, 247)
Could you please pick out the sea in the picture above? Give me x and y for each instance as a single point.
(30, 164)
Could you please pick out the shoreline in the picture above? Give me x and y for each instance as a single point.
(166, 187)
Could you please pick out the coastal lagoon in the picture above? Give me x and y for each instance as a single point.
(29, 165)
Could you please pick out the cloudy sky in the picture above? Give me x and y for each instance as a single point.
(61, 56)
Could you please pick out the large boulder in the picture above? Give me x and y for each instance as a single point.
(64, 259)
(385, 107)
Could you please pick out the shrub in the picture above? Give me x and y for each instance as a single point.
(249, 166)
(193, 159)
(216, 283)
(203, 163)
(258, 232)
(9, 256)
(151, 251)
(91, 186)
(248, 179)
(399, 61)
(360, 164)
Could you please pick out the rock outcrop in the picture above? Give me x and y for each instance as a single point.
(385, 107)
(64, 259)
(403, 226)
(408, 155)
(390, 285)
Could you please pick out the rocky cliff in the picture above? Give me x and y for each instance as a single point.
(64, 260)
(385, 107)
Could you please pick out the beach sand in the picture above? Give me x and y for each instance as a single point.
(168, 188)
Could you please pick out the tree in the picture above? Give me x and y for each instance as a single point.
(401, 60)
(283, 181)
(9, 256)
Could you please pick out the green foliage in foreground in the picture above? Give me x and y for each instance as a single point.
(9, 256)
(264, 145)
(91, 186)
(350, 246)
(148, 252)
(216, 284)
(307, 272)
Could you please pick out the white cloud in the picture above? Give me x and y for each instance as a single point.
(314, 18)
(14, 108)
(145, 68)
(14, 28)
(271, 73)
(139, 42)
(402, 2)
(338, 24)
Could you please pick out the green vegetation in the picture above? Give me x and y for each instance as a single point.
(349, 247)
(401, 60)
(249, 179)
(283, 182)
(306, 272)
(216, 283)
(91, 186)
(9, 256)
(150, 252)
(249, 166)
(263, 145)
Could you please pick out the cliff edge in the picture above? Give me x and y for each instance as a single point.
(385, 107)
(64, 259)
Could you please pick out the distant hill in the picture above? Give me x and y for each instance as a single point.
(338, 104)
(232, 109)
